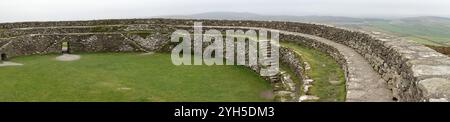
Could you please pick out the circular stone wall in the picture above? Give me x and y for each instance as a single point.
(410, 72)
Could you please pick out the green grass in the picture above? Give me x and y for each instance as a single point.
(323, 69)
(142, 34)
(126, 77)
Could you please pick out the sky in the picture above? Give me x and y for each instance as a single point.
(53, 10)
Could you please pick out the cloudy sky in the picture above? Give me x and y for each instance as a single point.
(42, 10)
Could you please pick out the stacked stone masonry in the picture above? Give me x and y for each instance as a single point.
(411, 72)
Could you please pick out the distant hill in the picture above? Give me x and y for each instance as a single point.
(427, 30)
(427, 19)
(252, 16)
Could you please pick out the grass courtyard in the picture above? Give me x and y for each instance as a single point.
(126, 77)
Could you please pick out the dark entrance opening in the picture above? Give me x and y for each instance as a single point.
(4, 57)
(65, 48)
(394, 99)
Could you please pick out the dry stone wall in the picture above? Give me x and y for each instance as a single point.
(412, 71)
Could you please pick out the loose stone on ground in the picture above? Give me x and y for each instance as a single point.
(68, 57)
(148, 53)
(8, 63)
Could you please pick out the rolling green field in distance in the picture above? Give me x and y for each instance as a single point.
(127, 77)
(431, 33)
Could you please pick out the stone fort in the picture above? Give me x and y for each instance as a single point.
(377, 67)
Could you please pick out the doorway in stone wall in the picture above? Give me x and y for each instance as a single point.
(4, 57)
(65, 48)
